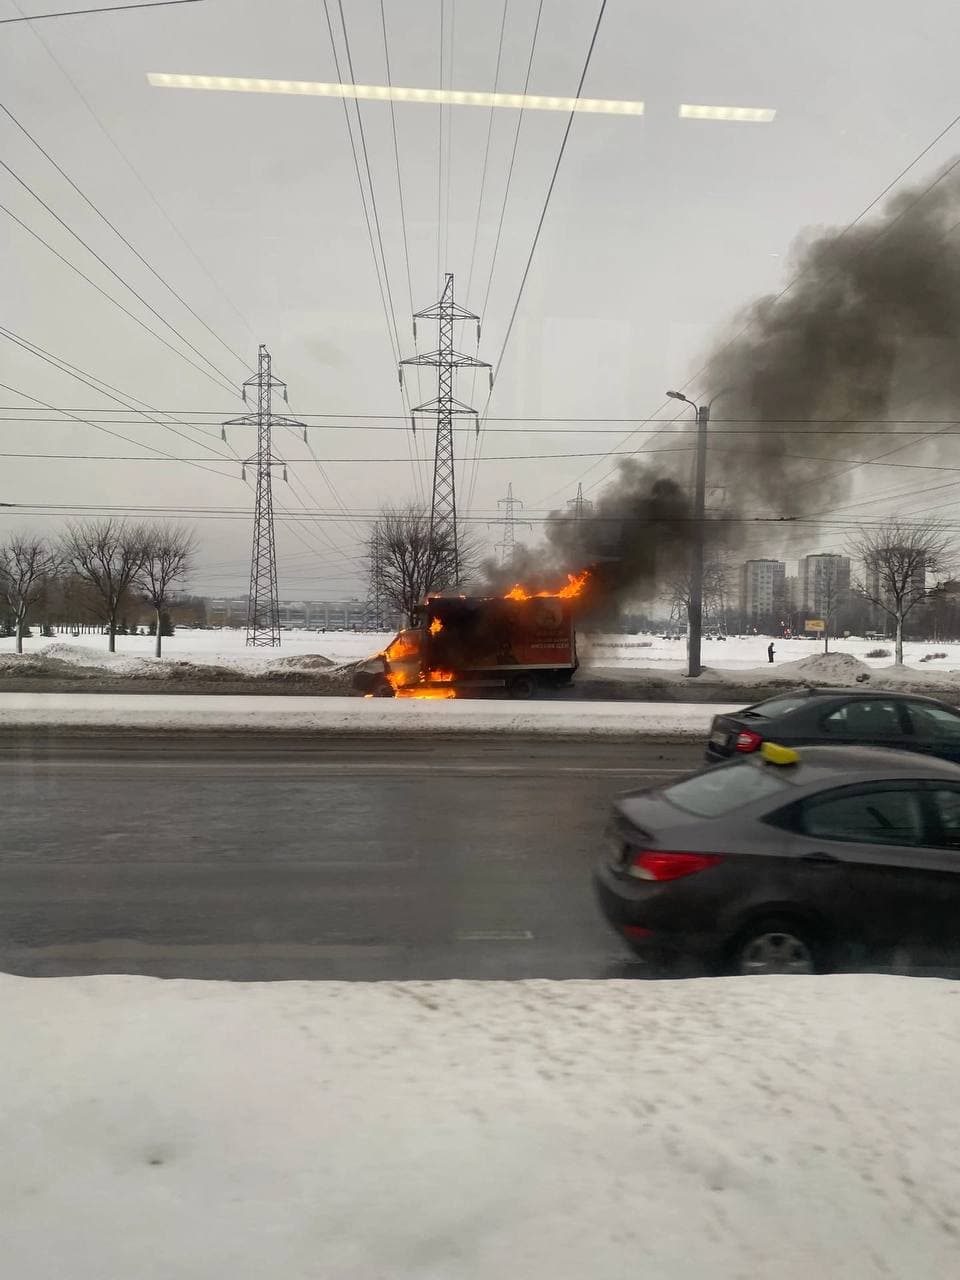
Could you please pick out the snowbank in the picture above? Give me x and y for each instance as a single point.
(789, 1127)
(162, 712)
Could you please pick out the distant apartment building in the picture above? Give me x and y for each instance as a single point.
(824, 583)
(762, 590)
(791, 593)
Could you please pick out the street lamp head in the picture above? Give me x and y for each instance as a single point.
(677, 395)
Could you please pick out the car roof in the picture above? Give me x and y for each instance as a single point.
(863, 691)
(850, 764)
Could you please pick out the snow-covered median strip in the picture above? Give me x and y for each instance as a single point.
(352, 715)
(789, 1127)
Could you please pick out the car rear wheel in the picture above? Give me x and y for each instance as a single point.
(777, 946)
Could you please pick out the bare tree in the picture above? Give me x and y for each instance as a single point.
(679, 590)
(833, 595)
(410, 563)
(108, 555)
(167, 557)
(27, 565)
(896, 558)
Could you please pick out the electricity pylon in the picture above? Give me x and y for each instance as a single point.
(507, 544)
(445, 359)
(579, 507)
(263, 606)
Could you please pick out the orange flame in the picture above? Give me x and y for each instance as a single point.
(575, 586)
(417, 690)
(421, 691)
(400, 648)
(435, 626)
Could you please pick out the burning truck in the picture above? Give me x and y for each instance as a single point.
(519, 642)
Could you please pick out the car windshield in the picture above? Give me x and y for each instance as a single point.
(720, 791)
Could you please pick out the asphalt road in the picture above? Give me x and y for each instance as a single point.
(264, 858)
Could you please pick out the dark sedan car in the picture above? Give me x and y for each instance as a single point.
(835, 856)
(904, 721)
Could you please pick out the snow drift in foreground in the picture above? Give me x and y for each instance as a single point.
(789, 1127)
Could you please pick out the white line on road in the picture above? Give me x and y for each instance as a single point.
(496, 935)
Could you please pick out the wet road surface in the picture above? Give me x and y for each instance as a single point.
(264, 858)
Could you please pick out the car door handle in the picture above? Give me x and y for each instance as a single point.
(821, 859)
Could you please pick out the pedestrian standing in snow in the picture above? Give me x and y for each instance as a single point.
(770, 651)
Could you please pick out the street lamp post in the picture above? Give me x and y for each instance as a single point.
(695, 609)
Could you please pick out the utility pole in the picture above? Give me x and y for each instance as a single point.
(263, 606)
(695, 611)
(446, 360)
(507, 544)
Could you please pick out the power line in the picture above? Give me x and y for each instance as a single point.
(110, 298)
(440, 153)
(771, 426)
(415, 467)
(116, 230)
(106, 265)
(800, 274)
(366, 459)
(379, 263)
(510, 168)
(16, 391)
(104, 388)
(450, 122)
(242, 513)
(387, 311)
(366, 163)
(500, 221)
(498, 364)
(139, 178)
(108, 8)
(486, 150)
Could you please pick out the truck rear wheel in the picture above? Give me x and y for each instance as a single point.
(523, 687)
(383, 689)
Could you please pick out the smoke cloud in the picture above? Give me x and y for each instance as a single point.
(867, 333)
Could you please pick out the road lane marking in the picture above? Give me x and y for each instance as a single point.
(496, 935)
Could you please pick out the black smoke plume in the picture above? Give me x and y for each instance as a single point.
(805, 383)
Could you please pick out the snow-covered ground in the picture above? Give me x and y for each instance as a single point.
(742, 652)
(721, 1128)
(227, 648)
(167, 711)
(625, 666)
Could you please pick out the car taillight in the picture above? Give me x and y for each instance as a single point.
(747, 740)
(656, 864)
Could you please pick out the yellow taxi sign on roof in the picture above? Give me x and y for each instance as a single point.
(773, 753)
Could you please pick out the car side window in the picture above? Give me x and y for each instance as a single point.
(874, 815)
(946, 805)
(934, 724)
(864, 720)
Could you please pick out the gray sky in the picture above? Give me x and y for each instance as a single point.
(658, 231)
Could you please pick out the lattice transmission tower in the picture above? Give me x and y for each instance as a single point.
(263, 605)
(446, 360)
(579, 507)
(508, 541)
(376, 603)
